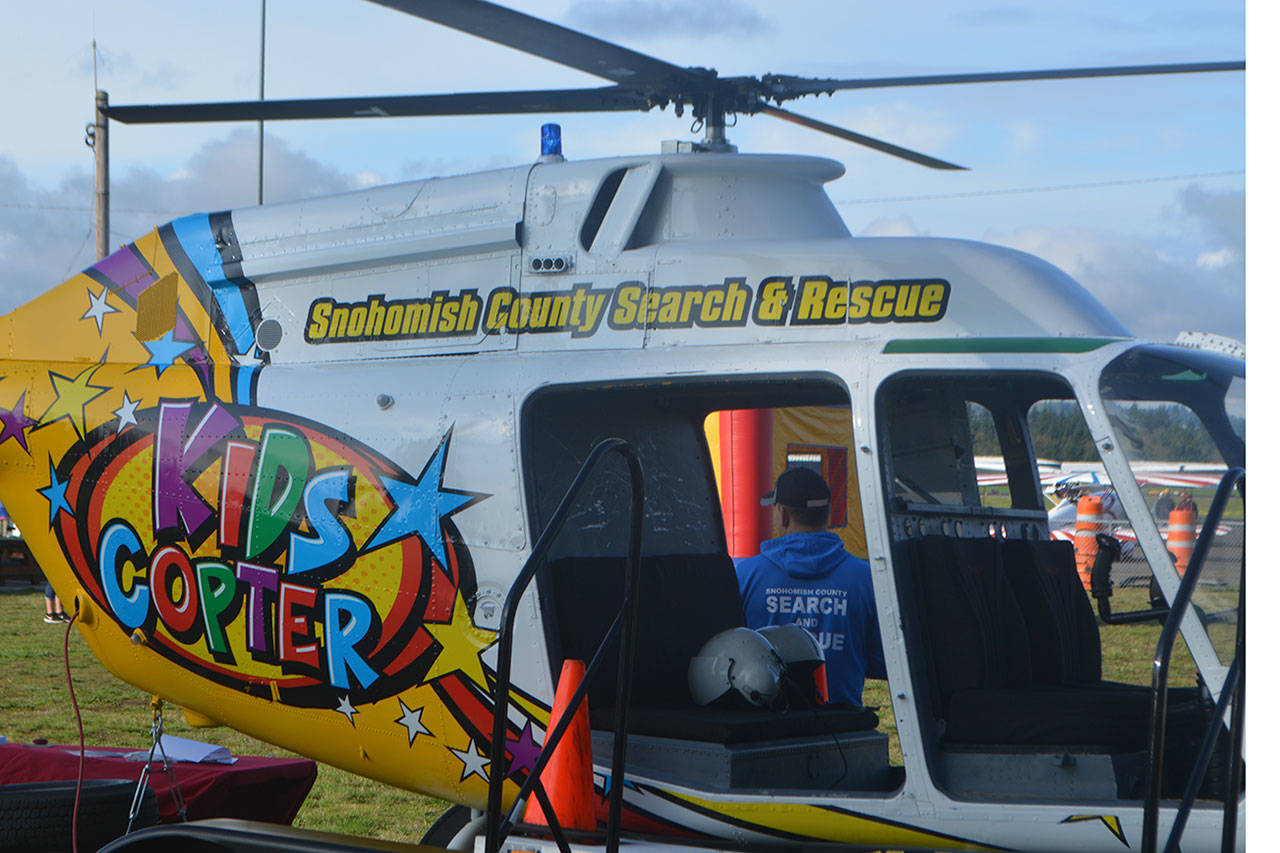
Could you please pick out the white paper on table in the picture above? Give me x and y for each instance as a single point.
(190, 751)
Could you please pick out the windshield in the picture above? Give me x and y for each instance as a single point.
(1178, 415)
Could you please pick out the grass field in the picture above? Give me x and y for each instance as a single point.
(34, 703)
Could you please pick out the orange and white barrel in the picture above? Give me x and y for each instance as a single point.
(1088, 524)
(1182, 537)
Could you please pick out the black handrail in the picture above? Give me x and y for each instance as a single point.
(1160, 682)
(497, 827)
(1235, 778)
(1229, 686)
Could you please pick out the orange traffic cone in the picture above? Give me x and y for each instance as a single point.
(1182, 536)
(1088, 511)
(567, 776)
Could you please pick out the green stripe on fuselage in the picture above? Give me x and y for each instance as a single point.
(903, 346)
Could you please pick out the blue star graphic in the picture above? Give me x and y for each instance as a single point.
(626, 784)
(421, 505)
(56, 494)
(164, 350)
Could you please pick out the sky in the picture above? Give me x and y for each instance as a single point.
(1134, 186)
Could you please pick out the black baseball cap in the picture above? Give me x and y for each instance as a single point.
(801, 488)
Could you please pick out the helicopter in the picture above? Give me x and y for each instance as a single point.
(356, 475)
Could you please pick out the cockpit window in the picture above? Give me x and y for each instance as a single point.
(997, 505)
(969, 443)
(932, 450)
(1178, 415)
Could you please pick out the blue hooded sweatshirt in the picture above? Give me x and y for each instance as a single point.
(809, 578)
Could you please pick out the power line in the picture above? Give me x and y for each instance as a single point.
(878, 200)
(1025, 190)
(86, 209)
(75, 257)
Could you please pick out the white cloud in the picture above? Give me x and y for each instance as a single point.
(649, 18)
(1024, 137)
(1217, 215)
(891, 226)
(908, 126)
(995, 16)
(46, 234)
(43, 233)
(1155, 297)
(1190, 279)
(1215, 260)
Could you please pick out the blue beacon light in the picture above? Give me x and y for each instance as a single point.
(551, 140)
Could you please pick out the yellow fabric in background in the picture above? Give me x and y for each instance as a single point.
(825, 426)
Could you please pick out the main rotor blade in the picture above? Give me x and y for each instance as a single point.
(604, 99)
(868, 141)
(785, 87)
(556, 43)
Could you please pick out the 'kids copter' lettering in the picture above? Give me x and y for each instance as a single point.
(583, 309)
(249, 563)
(275, 554)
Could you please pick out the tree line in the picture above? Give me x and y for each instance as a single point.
(1165, 433)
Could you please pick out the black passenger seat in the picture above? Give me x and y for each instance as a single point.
(1006, 677)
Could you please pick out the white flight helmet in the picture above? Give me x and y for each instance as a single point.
(794, 644)
(804, 684)
(739, 661)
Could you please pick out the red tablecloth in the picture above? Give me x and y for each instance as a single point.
(253, 788)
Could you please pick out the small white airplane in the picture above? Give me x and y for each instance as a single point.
(1064, 483)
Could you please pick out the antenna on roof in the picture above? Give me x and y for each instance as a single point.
(262, 87)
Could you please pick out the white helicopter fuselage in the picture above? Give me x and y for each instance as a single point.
(454, 334)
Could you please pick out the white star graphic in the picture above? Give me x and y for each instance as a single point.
(412, 721)
(473, 763)
(345, 707)
(98, 308)
(127, 413)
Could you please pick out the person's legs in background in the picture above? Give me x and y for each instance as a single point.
(53, 612)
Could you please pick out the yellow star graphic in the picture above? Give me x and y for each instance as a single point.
(1111, 822)
(461, 644)
(72, 396)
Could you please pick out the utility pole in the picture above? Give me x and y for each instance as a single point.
(262, 87)
(96, 138)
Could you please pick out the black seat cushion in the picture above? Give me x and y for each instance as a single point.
(685, 599)
(973, 631)
(982, 653)
(1063, 632)
(1107, 716)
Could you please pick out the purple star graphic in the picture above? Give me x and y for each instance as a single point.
(14, 424)
(524, 752)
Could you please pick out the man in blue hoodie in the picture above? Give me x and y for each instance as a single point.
(806, 576)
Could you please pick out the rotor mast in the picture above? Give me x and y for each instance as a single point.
(713, 124)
